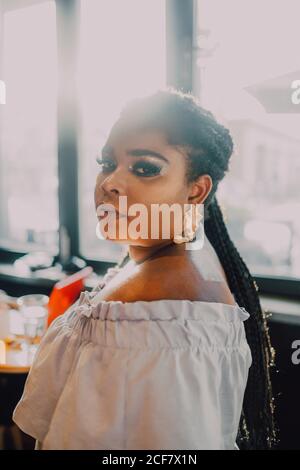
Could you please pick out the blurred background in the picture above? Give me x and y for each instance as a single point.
(66, 69)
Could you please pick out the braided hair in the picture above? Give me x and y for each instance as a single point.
(209, 146)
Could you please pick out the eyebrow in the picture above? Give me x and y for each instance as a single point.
(146, 152)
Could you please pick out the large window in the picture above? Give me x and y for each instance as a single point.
(246, 58)
(28, 147)
(122, 55)
(69, 67)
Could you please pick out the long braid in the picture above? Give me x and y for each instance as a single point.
(209, 146)
(258, 403)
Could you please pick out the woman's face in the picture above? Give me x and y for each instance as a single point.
(142, 166)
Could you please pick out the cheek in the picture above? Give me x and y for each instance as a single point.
(168, 188)
(166, 191)
(172, 186)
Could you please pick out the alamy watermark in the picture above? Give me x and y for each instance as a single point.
(296, 354)
(132, 223)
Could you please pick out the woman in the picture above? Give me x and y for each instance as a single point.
(157, 356)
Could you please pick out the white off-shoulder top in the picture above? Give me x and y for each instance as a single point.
(164, 374)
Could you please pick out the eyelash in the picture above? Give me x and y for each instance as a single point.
(151, 168)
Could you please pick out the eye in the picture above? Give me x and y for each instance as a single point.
(145, 169)
(106, 165)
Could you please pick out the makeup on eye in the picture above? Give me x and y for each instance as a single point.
(106, 164)
(147, 162)
(143, 167)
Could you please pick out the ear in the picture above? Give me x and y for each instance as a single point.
(200, 189)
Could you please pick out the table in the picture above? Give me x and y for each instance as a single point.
(14, 354)
(14, 359)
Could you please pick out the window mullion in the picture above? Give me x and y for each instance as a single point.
(67, 46)
(179, 40)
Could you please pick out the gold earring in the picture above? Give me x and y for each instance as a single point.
(192, 218)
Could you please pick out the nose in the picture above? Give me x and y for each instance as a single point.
(111, 188)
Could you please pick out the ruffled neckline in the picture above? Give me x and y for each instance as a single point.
(153, 309)
(164, 309)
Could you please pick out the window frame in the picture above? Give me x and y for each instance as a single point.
(179, 65)
(12, 251)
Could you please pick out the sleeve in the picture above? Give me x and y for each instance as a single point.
(46, 377)
(180, 399)
(187, 393)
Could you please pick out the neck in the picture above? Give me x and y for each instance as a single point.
(140, 254)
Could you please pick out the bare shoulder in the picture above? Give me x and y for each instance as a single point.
(167, 278)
